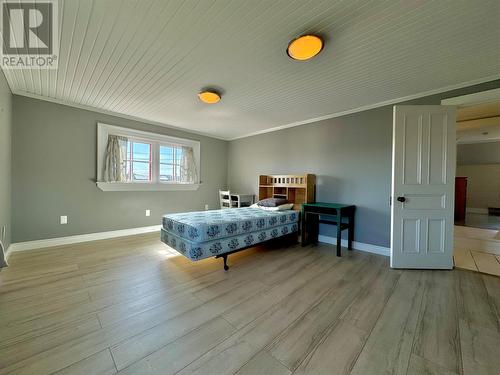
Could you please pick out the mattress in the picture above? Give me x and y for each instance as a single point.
(205, 226)
(196, 250)
(199, 235)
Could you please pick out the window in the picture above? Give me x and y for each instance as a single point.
(170, 163)
(130, 160)
(138, 161)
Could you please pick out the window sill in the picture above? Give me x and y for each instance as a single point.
(137, 186)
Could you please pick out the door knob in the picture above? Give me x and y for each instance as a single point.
(401, 199)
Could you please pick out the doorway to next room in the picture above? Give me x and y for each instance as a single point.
(477, 188)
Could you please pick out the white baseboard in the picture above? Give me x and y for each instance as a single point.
(472, 210)
(39, 244)
(375, 249)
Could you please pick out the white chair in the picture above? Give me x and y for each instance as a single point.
(226, 201)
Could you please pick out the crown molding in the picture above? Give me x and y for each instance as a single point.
(275, 128)
(115, 114)
(473, 99)
(372, 106)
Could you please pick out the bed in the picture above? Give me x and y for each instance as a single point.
(217, 233)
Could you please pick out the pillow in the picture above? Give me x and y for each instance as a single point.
(286, 206)
(283, 207)
(272, 202)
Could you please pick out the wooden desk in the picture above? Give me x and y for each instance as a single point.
(340, 215)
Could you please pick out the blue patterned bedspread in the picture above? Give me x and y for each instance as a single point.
(204, 234)
(209, 225)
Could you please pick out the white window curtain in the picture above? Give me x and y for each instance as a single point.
(114, 162)
(3, 262)
(188, 166)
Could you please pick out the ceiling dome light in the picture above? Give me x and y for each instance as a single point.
(305, 47)
(209, 97)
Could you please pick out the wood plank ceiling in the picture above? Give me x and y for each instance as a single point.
(149, 58)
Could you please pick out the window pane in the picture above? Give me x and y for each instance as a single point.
(141, 151)
(166, 172)
(178, 155)
(166, 154)
(140, 171)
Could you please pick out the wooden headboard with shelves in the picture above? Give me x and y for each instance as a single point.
(297, 189)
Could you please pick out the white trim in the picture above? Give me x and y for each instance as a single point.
(475, 98)
(103, 130)
(136, 186)
(39, 244)
(472, 210)
(470, 142)
(144, 135)
(372, 106)
(111, 113)
(276, 128)
(59, 241)
(369, 248)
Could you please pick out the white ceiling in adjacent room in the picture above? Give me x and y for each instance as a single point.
(149, 59)
(479, 123)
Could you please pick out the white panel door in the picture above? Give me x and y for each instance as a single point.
(423, 187)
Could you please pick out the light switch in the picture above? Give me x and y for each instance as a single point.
(64, 219)
(148, 212)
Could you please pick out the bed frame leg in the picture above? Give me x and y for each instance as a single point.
(226, 267)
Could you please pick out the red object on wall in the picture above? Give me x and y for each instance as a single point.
(460, 198)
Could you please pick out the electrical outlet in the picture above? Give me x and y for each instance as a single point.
(206, 207)
(148, 212)
(64, 219)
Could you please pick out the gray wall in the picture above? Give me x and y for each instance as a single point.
(483, 185)
(351, 156)
(54, 172)
(480, 163)
(54, 169)
(5, 159)
(478, 153)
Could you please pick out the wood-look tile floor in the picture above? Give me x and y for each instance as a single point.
(477, 239)
(477, 261)
(134, 306)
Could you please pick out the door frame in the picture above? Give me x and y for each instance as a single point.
(472, 99)
(477, 98)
